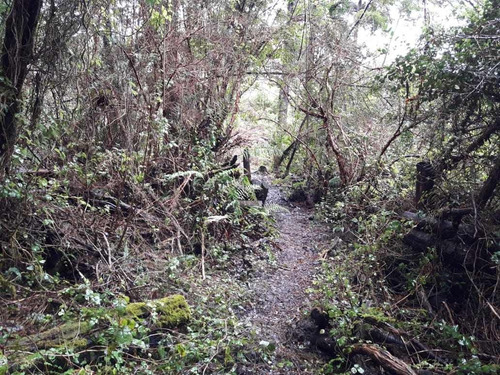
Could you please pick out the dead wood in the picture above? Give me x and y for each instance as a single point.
(442, 228)
(449, 237)
(225, 167)
(384, 333)
(39, 173)
(384, 359)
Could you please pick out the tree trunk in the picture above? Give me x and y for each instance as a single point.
(17, 53)
(290, 161)
(246, 164)
(344, 174)
(425, 182)
(279, 160)
(293, 147)
(283, 105)
(489, 185)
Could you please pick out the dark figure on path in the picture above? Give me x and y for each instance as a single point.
(261, 187)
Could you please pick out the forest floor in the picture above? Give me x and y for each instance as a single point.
(281, 294)
(251, 315)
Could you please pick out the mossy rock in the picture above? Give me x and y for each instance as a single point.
(172, 310)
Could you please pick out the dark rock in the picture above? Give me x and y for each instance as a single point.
(327, 345)
(298, 195)
(320, 318)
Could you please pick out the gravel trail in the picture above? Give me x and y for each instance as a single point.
(280, 294)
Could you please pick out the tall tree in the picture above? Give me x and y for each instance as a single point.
(452, 83)
(330, 83)
(17, 53)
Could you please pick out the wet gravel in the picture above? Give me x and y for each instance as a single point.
(281, 301)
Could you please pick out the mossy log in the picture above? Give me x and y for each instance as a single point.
(24, 352)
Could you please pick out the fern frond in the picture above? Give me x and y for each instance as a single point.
(245, 192)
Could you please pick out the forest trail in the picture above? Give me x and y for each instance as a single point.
(281, 295)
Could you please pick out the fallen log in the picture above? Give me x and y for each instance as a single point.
(389, 335)
(385, 334)
(446, 229)
(418, 240)
(458, 245)
(380, 333)
(442, 228)
(27, 352)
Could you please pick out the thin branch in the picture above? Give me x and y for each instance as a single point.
(359, 19)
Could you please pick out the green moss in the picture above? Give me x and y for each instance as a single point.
(137, 309)
(4, 366)
(68, 335)
(172, 310)
(298, 185)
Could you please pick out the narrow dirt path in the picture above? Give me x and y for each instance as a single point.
(280, 295)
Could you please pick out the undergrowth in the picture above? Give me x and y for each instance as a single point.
(97, 229)
(370, 278)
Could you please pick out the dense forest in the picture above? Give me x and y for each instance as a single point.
(249, 187)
